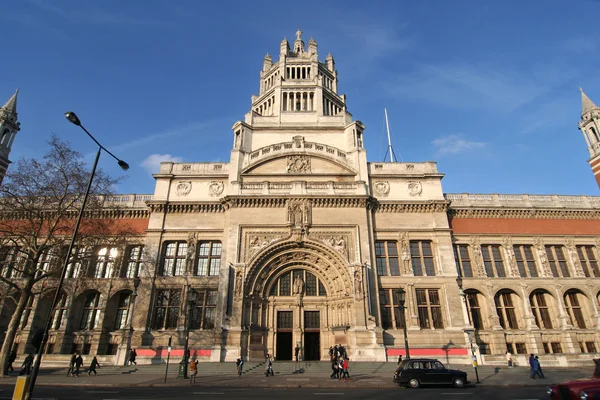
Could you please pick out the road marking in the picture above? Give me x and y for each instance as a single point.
(458, 394)
(101, 391)
(209, 393)
(329, 393)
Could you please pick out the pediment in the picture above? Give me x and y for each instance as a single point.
(298, 164)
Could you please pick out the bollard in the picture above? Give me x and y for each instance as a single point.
(20, 387)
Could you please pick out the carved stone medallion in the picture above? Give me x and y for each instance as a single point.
(184, 188)
(215, 188)
(298, 164)
(382, 188)
(415, 188)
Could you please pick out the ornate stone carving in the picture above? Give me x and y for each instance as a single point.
(382, 188)
(258, 241)
(541, 252)
(184, 188)
(299, 214)
(239, 283)
(338, 243)
(358, 282)
(298, 164)
(215, 188)
(298, 286)
(415, 188)
(405, 254)
(577, 267)
(477, 256)
(510, 254)
(191, 251)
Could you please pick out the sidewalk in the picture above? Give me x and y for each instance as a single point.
(147, 376)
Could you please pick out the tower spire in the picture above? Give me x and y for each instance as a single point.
(587, 105)
(11, 105)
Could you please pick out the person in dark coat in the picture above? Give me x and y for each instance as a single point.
(132, 356)
(11, 360)
(296, 352)
(540, 373)
(72, 364)
(78, 364)
(534, 366)
(27, 363)
(93, 366)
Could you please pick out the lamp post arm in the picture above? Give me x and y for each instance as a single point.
(38, 359)
(98, 143)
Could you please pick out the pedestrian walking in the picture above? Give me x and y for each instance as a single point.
(78, 364)
(296, 352)
(534, 366)
(540, 373)
(72, 364)
(399, 359)
(11, 359)
(269, 369)
(345, 371)
(340, 368)
(334, 368)
(240, 366)
(93, 366)
(509, 359)
(26, 366)
(330, 353)
(193, 370)
(132, 357)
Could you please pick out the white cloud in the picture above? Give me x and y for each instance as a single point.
(454, 144)
(152, 162)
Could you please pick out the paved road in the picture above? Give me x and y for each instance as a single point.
(68, 393)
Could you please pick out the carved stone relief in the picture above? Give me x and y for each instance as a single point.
(415, 188)
(577, 267)
(337, 242)
(382, 188)
(510, 255)
(257, 241)
(477, 256)
(215, 188)
(298, 164)
(541, 252)
(405, 254)
(299, 213)
(184, 188)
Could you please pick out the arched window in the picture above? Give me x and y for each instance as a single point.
(573, 302)
(539, 306)
(91, 311)
(60, 312)
(505, 307)
(595, 135)
(312, 285)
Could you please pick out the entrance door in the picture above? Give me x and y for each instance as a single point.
(284, 335)
(312, 346)
(312, 342)
(284, 346)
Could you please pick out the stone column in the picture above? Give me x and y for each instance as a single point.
(529, 317)
(563, 316)
(492, 309)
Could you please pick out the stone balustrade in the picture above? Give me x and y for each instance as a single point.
(299, 188)
(293, 148)
(523, 200)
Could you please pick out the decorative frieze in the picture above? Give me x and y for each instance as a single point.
(338, 242)
(428, 207)
(256, 242)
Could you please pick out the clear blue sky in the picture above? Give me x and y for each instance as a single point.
(489, 90)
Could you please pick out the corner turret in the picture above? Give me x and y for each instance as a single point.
(588, 125)
(9, 126)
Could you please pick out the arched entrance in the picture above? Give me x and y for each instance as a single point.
(296, 294)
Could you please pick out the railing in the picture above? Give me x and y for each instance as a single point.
(524, 200)
(289, 147)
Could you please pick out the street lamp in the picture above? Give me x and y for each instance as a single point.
(470, 330)
(136, 284)
(71, 116)
(186, 350)
(401, 301)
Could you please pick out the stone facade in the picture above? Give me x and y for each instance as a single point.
(298, 240)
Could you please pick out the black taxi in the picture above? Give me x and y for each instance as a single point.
(415, 372)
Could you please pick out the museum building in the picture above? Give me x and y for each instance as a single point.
(299, 240)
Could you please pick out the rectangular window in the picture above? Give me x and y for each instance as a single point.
(589, 262)
(11, 262)
(493, 261)
(284, 320)
(506, 311)
(209, 258)
(390, 311)
(590, 347)
(166, 312)
(204, 307)
(386, 258)
(422, 258)
(539, 307)
(463, 261)
(484, 348)
(311, 285)
(105, 262)
(134, 256)
(474, 310)
(78, 262)
(430, 309)
(174, 258)
(557, 261)
(520, 348)
(574, 310)
(525, 261)
(556, 347)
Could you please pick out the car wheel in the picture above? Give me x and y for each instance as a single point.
(458, 382)
(414, 383)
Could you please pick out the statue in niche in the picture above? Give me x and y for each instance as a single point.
(191, 252)
(298, 286)
(358, 282)
(239, 281)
